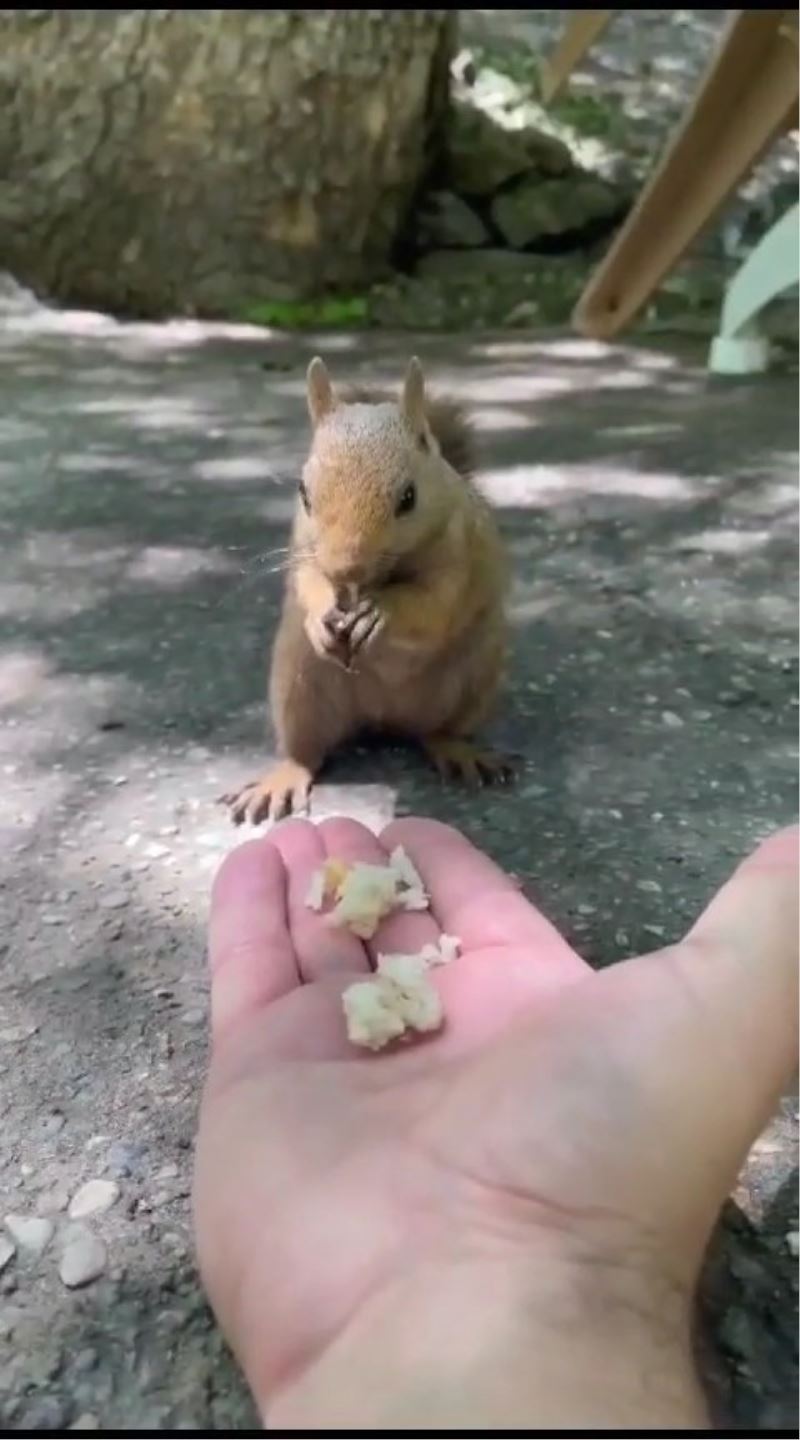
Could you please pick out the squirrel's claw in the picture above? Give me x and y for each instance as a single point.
(460, 760)
(282, 791)
(367, 625)
(340, 634)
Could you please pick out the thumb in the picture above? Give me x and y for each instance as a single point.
(744, 956)
(713, 1038)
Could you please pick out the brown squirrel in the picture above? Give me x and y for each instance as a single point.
(393, 617)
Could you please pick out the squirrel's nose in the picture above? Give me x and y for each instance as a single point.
(346, 581)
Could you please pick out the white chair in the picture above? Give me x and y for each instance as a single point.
(772, 268)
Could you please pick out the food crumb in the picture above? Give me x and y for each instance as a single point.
(364, 893)
(400, 998)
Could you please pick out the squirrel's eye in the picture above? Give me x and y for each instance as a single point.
(407, 500)
(304, 497)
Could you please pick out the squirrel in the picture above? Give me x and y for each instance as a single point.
(394, 609)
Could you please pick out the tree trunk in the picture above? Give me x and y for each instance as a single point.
(196, 161)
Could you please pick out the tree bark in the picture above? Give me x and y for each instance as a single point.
(188, 161)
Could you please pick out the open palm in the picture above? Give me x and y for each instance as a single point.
(557, 1113)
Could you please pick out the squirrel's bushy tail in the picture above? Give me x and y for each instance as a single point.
(455, 434)
(449, 423)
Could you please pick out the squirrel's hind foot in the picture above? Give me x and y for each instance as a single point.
(282, 791)
(462, 760)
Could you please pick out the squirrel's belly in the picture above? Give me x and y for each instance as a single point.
(411, 701)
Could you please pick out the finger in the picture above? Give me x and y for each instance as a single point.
(250, 949)
(403, 933)
(473, 899)
(321, 948)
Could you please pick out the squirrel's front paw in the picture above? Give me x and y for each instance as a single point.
(326, 638)
(366, 622)
(340, 634)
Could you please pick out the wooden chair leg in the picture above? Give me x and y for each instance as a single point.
(746, 99)
(582, 29)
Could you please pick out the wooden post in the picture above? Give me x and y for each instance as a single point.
(748, 96)
(582, 29)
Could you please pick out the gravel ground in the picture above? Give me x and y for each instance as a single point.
(146, 477)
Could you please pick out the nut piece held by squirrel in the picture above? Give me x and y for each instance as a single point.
(393, 614)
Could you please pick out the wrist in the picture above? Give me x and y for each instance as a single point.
(547, 1344)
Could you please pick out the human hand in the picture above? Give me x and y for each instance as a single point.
(494, 1222)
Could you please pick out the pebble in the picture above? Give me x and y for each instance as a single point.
(14, 1034)
(154, 851)
(193, 1017)
(31, 1232)
(125, 1158)
(651, 886)
(672, 720)
(175, 1242)
(170, 1171)
(52, 1124)
(93, 1198)
(85, 1360)
(114, 900)
(165, 1045)
(86, 1421)
(45, 1412)
(7, 1252)
(83, 1258)
(793, 1243)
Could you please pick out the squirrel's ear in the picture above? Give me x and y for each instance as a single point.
(321, 399)
(412, 403)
